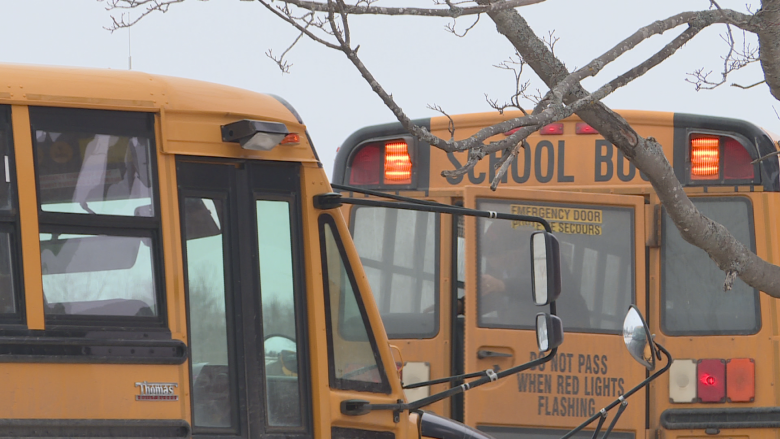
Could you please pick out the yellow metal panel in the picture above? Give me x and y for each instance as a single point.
(86, 391)
(28, 211)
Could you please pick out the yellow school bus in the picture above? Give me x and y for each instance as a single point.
(165, 271)
(435, 277)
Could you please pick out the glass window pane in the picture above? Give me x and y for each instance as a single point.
(597, 265)
(92, 162)
(6, 181)
(7, 285)
(692, 285)
(211, 369)
(398, 250)
(277, 292)
(98, 275)
(355, 363)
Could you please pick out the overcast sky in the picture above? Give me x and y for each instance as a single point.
(416, 60)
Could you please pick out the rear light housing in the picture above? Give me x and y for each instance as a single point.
(552, 129)
(716, 159)
(380, 163)
(712, 380)
(583, 128)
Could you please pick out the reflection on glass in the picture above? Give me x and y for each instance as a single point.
(211, 389)
(398, 251)
(353, 356)
(597, 265)
(98, 170)
(694, 301)
(540, 268)
(7, 287)
(97, 275)
(274, 242)
(6, 182)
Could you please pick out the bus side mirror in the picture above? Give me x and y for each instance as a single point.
(549, 331)
(638, 340)
(546, 268)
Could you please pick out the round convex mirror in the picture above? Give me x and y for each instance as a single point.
(637, 338)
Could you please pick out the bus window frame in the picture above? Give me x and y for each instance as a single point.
(302, 341)
(436, 275)
(237, 387)
(339, 383)
(10, 223)
(118, 225)
(757, 294)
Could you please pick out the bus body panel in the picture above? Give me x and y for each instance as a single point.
(69, 377)
(573, 165)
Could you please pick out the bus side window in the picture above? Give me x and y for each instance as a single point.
(693, 300)
(354, 361)
(398, 252)
(10, 291)
(99, 226)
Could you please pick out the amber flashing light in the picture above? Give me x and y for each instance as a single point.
(740, 380)
(398, 164)
(291, 139)
(705, 158)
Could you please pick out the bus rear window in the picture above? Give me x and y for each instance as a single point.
(398, 251)
(597, 265)
(693, 300)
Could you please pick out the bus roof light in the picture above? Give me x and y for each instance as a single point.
(256, 135)
(740, 380)
(552, 129)
(366, 166)
(736, 161)
(711, 380)
(398, 164)
(583, 128)
(705, 158)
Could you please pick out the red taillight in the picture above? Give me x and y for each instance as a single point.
(583, 128)
(398, 164)
(736, 161)
(367, 166)
(711, 380)
(551, 129)
(740, 380)
(705, 158)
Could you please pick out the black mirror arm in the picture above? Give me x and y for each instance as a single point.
(354, 407)
(624, 396)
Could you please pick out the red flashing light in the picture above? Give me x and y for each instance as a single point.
(398, 164)
(736, 161)
(367, 166)
(552, 129)
(583, 128)
(711, 380)
(705, 158)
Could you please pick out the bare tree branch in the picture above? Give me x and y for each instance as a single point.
(368, 9)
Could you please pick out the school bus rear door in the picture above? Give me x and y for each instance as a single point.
(603, 271)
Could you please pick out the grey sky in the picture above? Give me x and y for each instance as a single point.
(224, 41)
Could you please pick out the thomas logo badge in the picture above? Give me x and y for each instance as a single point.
(157, 391)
